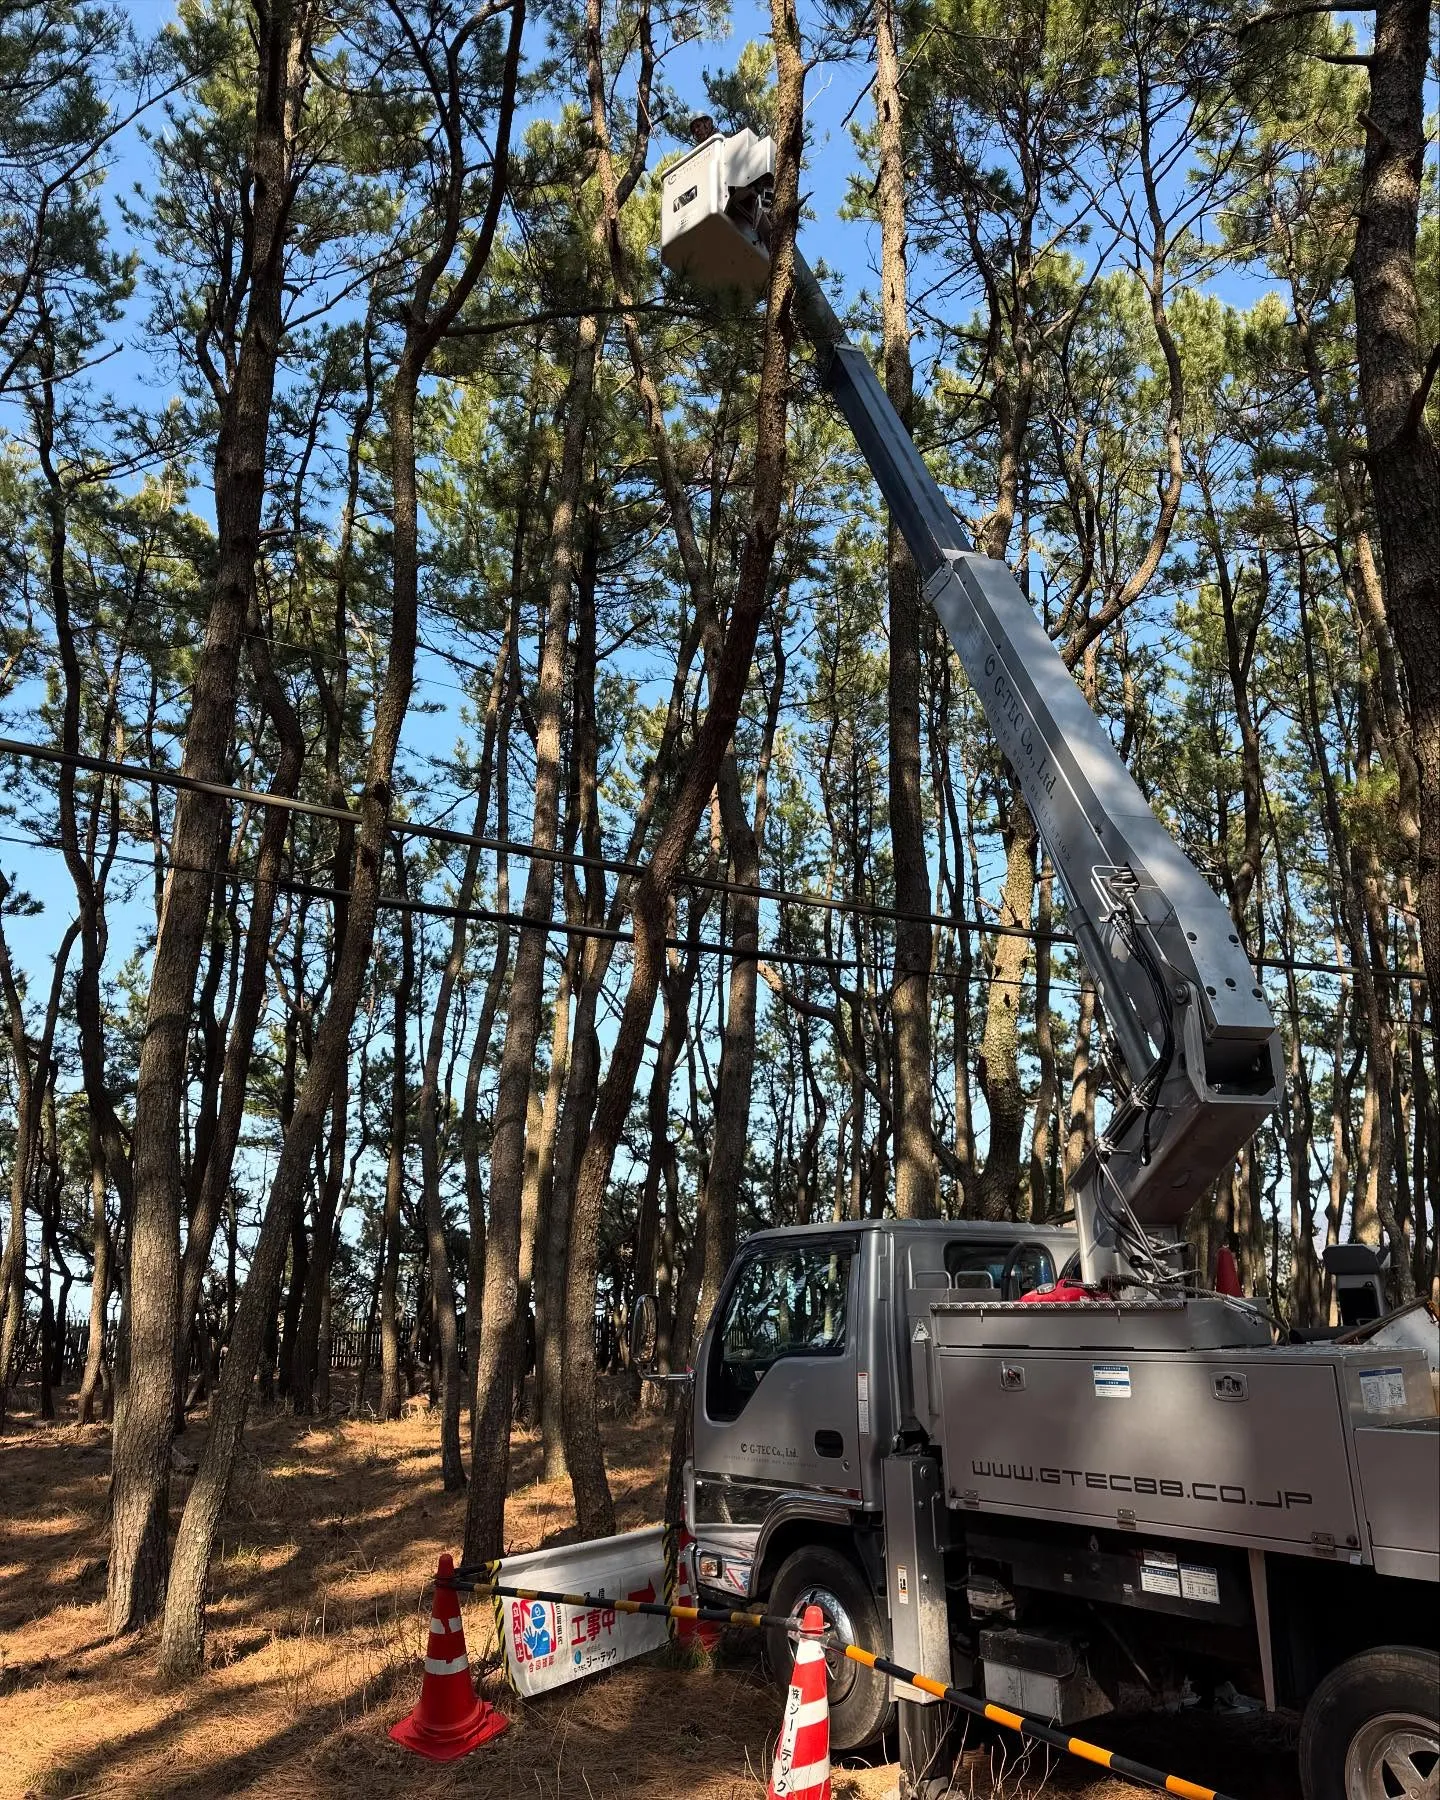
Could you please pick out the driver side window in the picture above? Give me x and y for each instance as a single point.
(785, 1303)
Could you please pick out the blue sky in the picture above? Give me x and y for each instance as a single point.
(834, 93)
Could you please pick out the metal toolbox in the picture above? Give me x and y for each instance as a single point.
(1252, 1447)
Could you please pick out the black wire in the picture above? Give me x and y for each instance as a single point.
(856, 908)
(290, 884)
(445, 834)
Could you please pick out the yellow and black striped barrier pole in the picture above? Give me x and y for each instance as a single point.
(1030, 1729)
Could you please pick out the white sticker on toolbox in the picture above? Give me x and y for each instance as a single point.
(1383, 1390)
(1112, 1381)
(1160, 1573)
(1199, 1583)
(862, 1397)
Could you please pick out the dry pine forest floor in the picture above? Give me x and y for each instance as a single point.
(317, 1624)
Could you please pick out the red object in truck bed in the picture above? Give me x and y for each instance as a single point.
(1064, 1292)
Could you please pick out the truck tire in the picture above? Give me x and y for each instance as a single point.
(1371, 1730)
(860, 1708)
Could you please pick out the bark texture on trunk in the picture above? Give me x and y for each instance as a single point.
(140, 1471)
(1397, 379)
(917, 1193)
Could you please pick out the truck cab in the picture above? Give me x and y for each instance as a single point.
(812, 1370)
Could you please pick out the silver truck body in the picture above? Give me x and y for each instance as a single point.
(1177, 1420)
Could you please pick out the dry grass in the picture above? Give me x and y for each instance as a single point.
(317, 1621)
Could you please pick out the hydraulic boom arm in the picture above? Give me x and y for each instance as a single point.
(1201, 1053)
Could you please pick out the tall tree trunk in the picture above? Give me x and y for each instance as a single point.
(140, 1473)
(89, 888)
(540, 1276)
(594, 1507)
(1395, 382)
(22, 1160)
(182, 1640)
(330, 1179)
(470, 1112)
(99, 1280)
(1080, 1127)
(494, 1373)
(390, 1382)
(427, 1120)
(34, 1081)
(996, 1186)
(219, 1162)
(917, 1193)
(1380, 1062)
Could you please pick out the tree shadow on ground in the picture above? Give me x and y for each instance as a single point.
(320, 1596)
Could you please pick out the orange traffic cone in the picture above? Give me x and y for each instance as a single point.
(451, 1719)
(691, 1632)
(802, 1756)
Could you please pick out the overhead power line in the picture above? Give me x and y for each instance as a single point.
(446, 834)
(439, 909)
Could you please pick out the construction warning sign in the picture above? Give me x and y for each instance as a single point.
(547, 1644)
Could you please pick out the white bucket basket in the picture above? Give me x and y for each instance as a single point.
(706, 200)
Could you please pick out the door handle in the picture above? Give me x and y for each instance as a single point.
(829, 1443)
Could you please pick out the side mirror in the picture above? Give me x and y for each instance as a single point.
(644, 1330)
(644, 1340)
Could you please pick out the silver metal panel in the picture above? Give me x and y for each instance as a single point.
(1385, 1386)
(1085, 800)
(1400, 1495)
(1238, 1448)
(915, 1571)
(1098, 826)
(1208, 1322)
(878, 1418)
(1063, 1702)
(1260, 1600)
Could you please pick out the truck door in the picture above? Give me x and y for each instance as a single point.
(777, 1402)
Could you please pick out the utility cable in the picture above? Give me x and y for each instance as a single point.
(854, 908)
(485, 915)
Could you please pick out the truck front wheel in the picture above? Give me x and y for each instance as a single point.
(860, 1708)
(1371, 1730)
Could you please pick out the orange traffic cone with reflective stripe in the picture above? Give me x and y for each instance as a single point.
(802, 1756)
(451, 1719)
